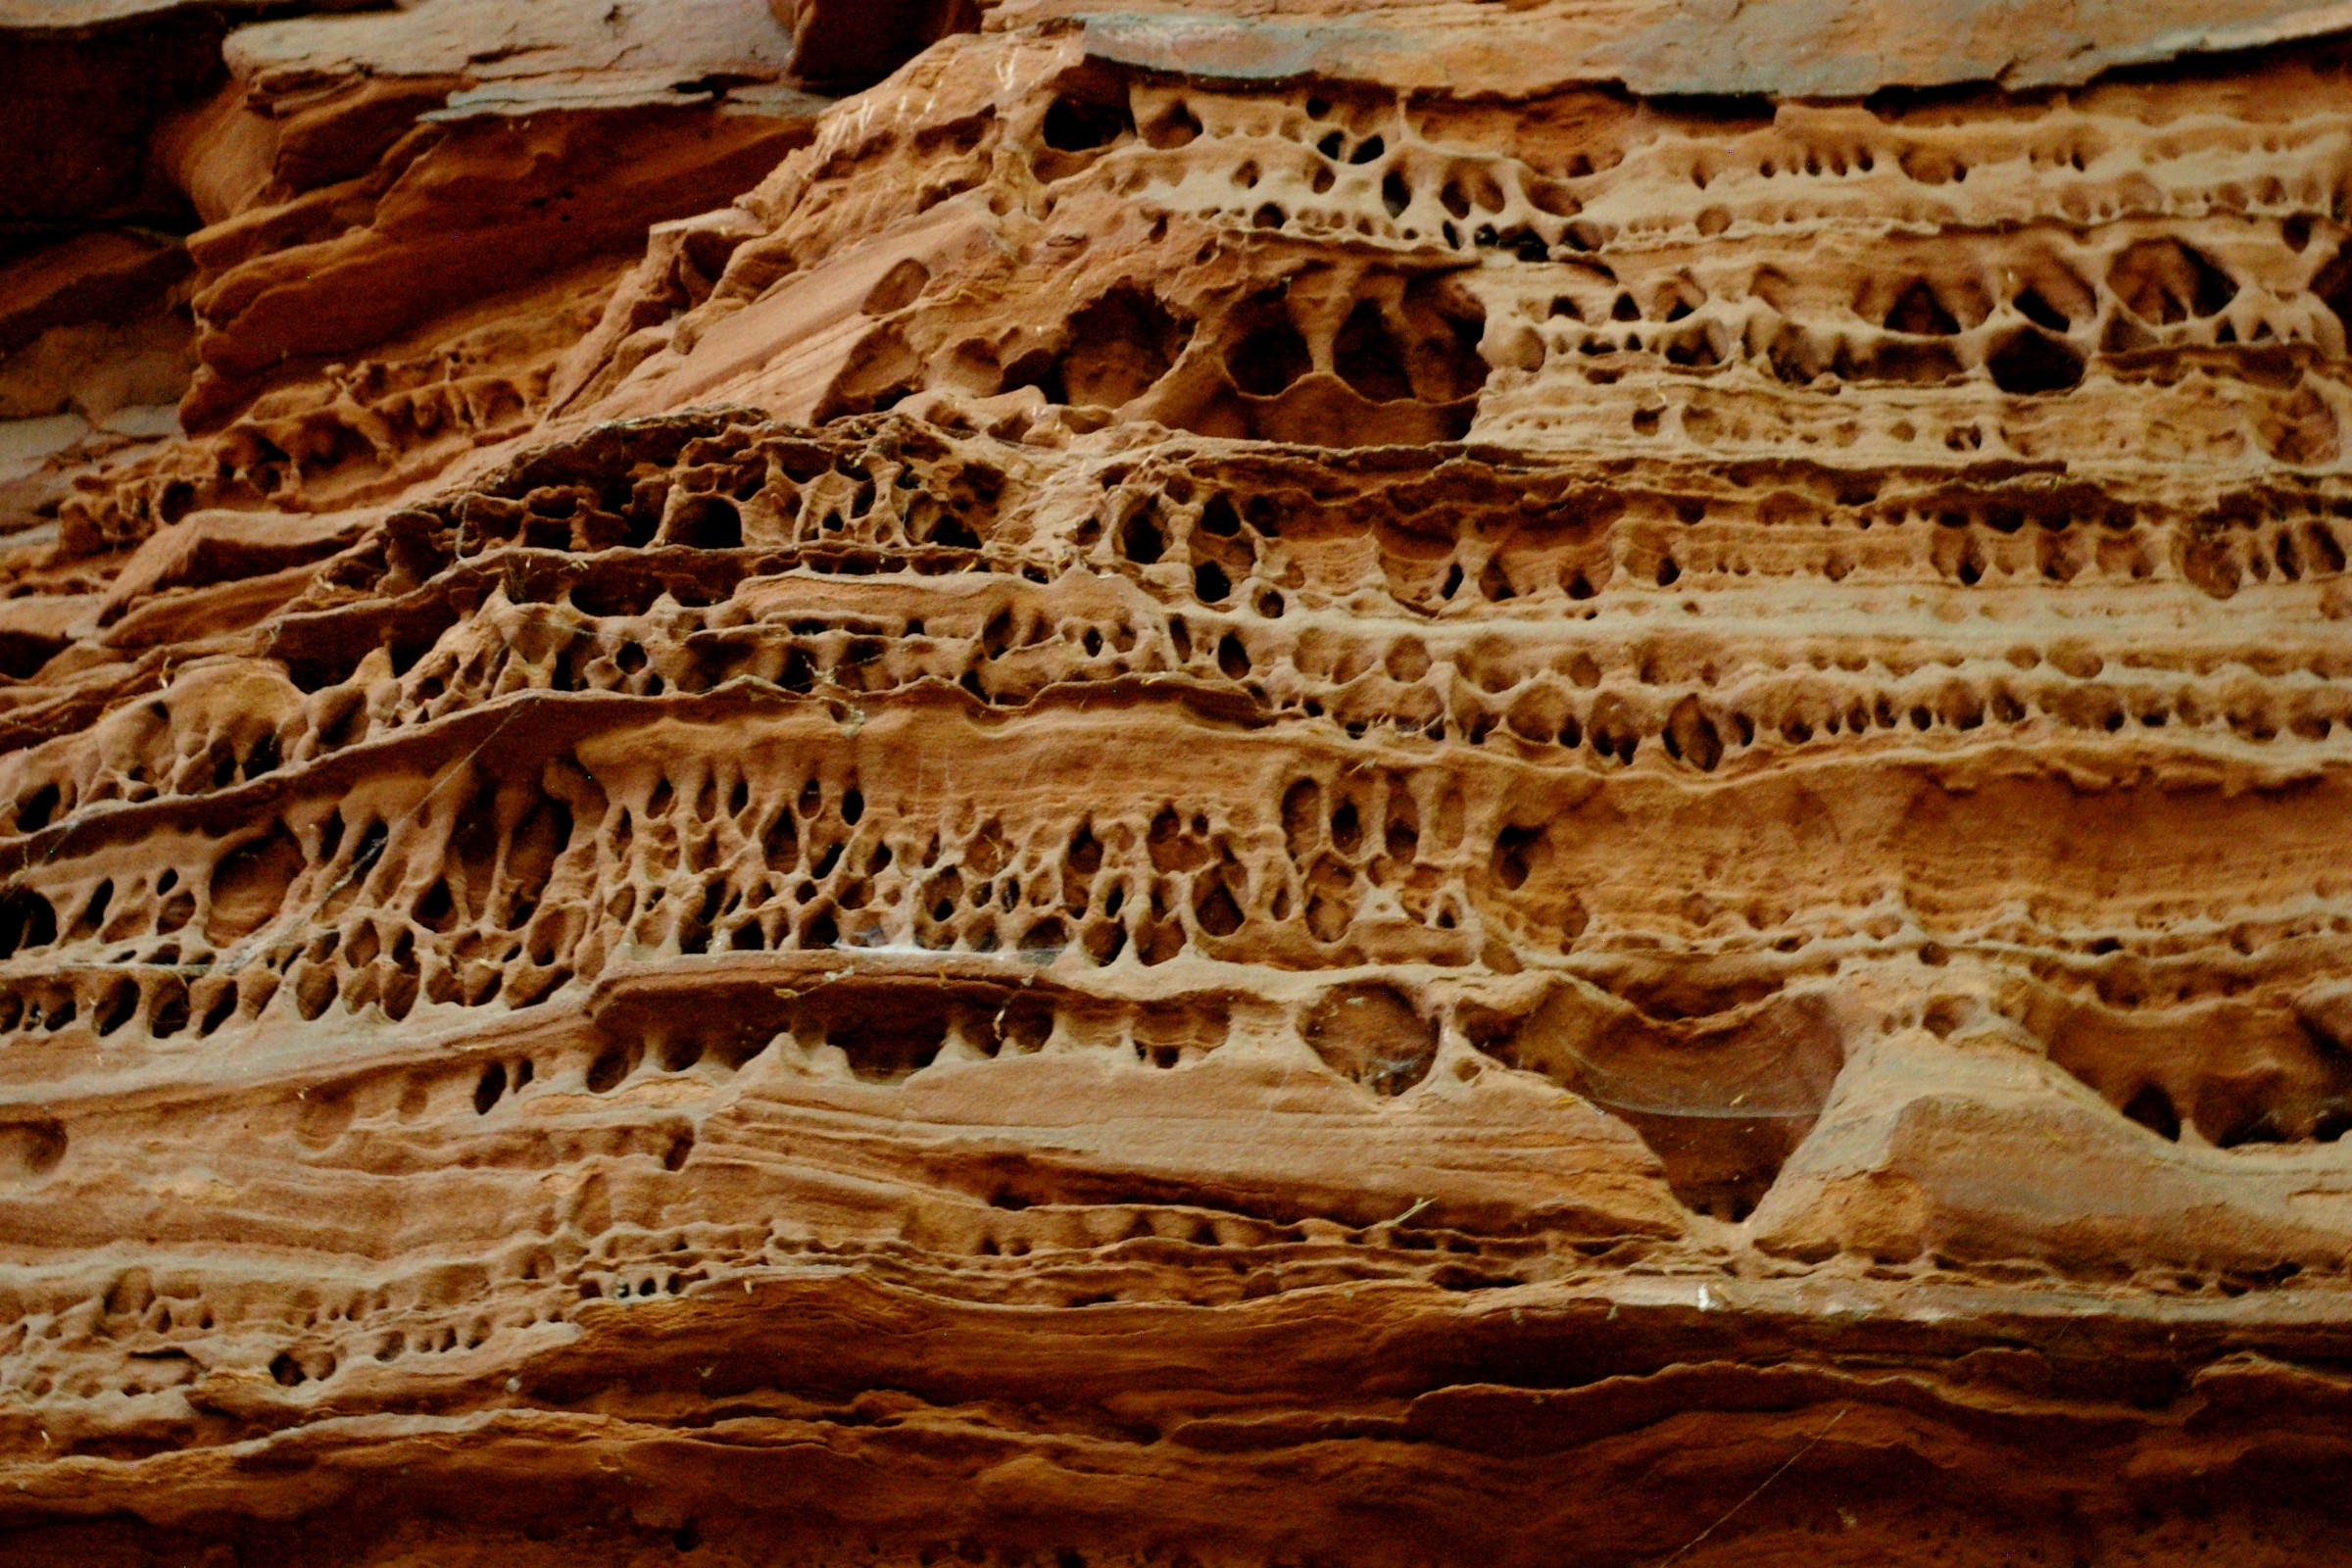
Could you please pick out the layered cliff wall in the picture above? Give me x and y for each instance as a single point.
(1413, 784)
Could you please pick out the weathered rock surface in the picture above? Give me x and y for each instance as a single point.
(1412, 784)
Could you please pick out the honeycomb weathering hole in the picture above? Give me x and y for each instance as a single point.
(1722, 1098)
(1373, 1035)
(29, 1149)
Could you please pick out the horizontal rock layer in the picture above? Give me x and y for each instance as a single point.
(1296, 788)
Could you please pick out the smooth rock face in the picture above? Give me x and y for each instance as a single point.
(1415, 784)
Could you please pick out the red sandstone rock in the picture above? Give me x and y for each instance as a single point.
(1443, 784)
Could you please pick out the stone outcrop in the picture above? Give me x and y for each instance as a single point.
(1413, 784)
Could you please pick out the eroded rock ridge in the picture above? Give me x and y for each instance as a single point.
(1411, 784)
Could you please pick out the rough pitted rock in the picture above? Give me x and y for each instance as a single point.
(1408, 784)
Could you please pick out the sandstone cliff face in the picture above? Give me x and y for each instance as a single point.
(1412, 784)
